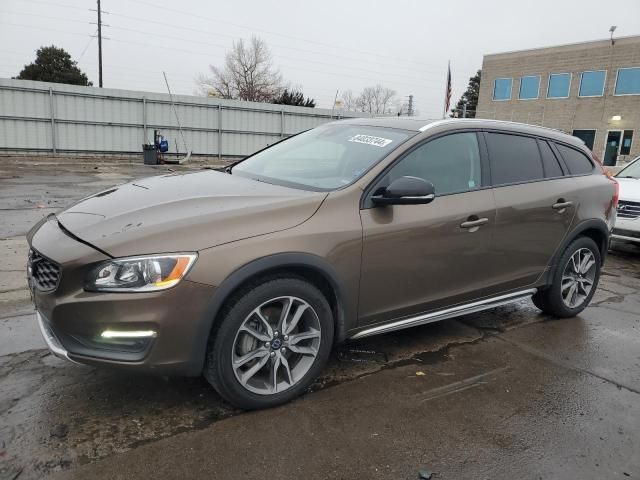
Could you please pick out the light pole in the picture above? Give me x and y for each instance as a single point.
(611, 30)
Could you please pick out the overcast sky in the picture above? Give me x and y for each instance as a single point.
(321, 46)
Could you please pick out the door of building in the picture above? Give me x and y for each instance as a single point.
(612, 147)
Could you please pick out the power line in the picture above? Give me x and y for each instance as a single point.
(252, 29)
(63, 5)
(85, 48)
(42, 28)
(226, 47)
(235, 37)
(50, 17)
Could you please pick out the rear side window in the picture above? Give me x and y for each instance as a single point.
(551, 166)
(577, 162)
(513, 158)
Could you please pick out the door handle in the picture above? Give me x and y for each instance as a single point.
(561, 205)
(473, 225)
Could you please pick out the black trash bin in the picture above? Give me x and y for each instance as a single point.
(150, 154)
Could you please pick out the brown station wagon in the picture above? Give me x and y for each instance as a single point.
(250, 275)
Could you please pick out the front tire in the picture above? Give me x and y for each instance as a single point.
(273, 341)
(574, 282)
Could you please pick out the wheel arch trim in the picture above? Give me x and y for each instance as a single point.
(577, 231)
(280, 261)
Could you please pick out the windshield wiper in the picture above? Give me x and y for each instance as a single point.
(628, 176)
(227, 168)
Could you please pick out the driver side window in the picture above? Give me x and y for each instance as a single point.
(450, 163)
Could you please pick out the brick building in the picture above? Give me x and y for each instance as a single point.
(589, 89)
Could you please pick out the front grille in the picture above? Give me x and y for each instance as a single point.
(44, 273)
(628, 209)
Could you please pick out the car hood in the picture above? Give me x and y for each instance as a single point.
(629, 189)
(185, 212)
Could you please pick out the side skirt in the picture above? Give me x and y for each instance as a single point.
(438, 315)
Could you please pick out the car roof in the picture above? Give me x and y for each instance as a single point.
(422, 125)
(404, 123)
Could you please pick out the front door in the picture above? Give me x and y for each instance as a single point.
(418, 258)
(612, 147)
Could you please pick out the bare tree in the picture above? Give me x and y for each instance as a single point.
(364, 102)
(375, 100)
(248, 74)
(381, 98)
(349, 101)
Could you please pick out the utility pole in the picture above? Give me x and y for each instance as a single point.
(410, 107)
(99, 45)
(464, 110)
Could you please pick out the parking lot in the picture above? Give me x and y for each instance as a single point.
(506, 393)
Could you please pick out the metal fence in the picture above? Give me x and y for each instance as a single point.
(58, 118)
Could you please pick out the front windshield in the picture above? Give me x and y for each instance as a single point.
(325, 158)
(631, 171)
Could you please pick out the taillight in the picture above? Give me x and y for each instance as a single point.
(616, 193)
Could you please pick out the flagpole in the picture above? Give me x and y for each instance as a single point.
(446, 89)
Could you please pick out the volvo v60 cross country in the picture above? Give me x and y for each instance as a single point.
(250, 275)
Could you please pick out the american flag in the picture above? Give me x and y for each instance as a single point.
(447, 93)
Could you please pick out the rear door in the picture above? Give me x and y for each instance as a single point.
(535, 205)
(417, 258)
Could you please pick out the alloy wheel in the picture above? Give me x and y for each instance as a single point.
(276, 345)
(578, 278)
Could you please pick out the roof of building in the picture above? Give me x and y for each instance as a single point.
(571, 46)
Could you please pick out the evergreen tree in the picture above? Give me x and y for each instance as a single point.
(293, 97)
(470, 97)
(54, 64)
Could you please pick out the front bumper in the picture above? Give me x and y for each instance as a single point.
(53, 344)
(73, 322)
(627, 230)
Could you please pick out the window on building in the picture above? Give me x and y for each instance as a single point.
(502, 88)
(559, 85)
(592, 83)
(450, 163)
(587, 136)
(529, 87)
(627, 139)
(551, 166)
(628, 81)
(577, 162)
(513, 159)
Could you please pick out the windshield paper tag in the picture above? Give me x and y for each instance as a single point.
(369, 140)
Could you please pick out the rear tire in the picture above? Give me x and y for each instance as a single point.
(574, 282)
(282, 325)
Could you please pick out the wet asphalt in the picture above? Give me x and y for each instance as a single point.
(503, 394)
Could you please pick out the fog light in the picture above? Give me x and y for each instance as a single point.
(128, 334)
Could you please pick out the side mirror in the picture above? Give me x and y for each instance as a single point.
(406, 191)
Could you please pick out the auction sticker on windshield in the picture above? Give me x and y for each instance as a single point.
(371, 140)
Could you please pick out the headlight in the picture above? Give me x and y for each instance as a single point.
(139, 274)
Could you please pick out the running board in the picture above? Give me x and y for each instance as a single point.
(436, 316)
